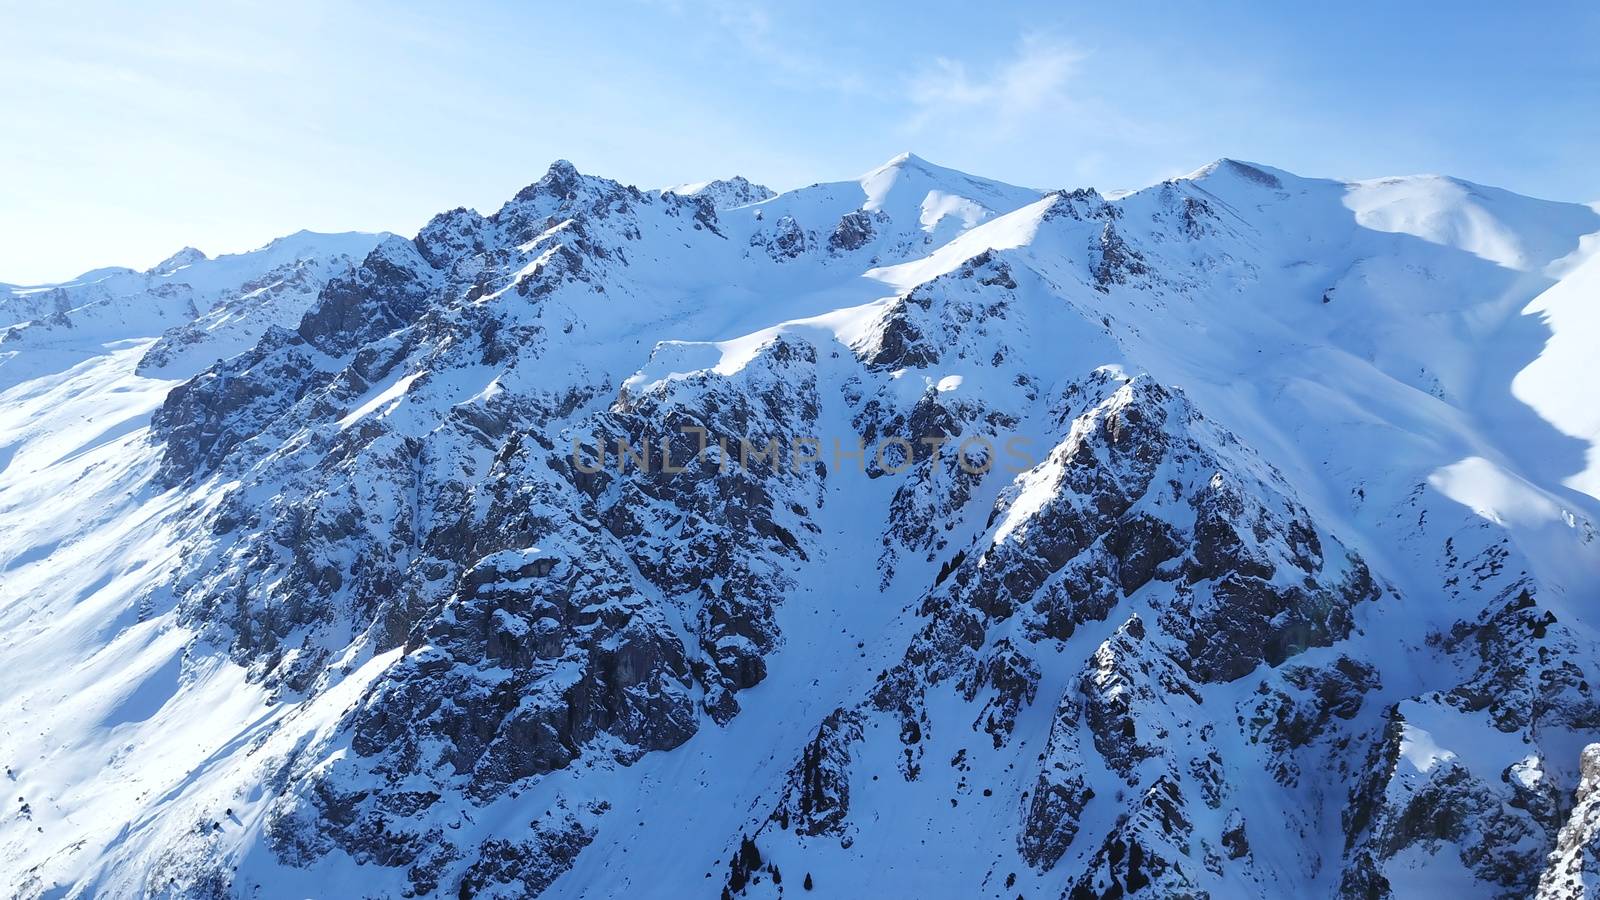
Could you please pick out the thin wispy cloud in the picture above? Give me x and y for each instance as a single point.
(782, 52)
(1036, 79)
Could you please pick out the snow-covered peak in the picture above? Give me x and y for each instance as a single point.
(309, 243)
(725, 193)
(900, 210)
(942, 201)
(1225, 171)
(898, 162)
(212, 276)
(1515, 231)
(96, 274)
(565, 193)
(193, 308)
(561, 181)
(188, 256)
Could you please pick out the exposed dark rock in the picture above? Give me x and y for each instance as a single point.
(1059, 796)
(853, 232)
(817, 798)
(1572, 871)
(1147, 854)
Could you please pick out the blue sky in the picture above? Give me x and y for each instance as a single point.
(133, 129)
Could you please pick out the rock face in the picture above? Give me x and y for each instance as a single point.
(913, 536)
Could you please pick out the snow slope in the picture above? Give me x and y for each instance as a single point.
(1551, 383)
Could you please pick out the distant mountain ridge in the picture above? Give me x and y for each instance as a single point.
(210, 308)
(726, 193)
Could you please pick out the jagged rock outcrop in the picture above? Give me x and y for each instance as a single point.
(786, 241)
(1572, 871)
(1060, 794)
(1499, 811)
(817, 799)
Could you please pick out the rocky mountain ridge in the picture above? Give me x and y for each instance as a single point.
(1185, 542)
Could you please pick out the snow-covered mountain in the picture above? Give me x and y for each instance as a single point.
(201, 310)
(726, 193)
(916, 535)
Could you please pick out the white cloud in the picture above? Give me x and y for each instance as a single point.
(1036, 79)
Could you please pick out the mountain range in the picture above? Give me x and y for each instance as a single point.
(915, 535)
